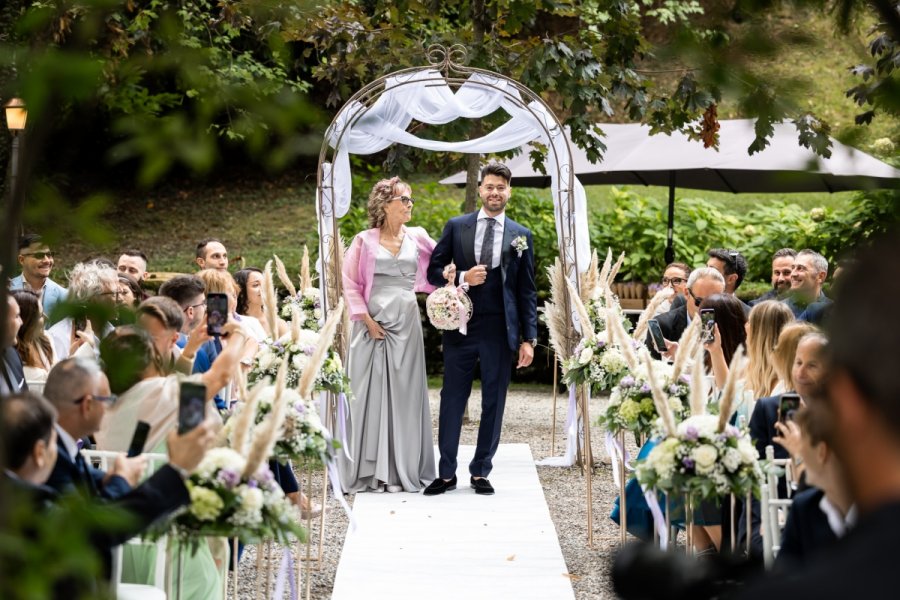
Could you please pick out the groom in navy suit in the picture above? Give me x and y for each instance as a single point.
(494, 255)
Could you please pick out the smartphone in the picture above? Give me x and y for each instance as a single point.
(138, 439)
(656, 335)
(191, 406)
(788, 407)
(216, 313)
(708, 325)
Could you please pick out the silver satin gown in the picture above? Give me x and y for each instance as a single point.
(389, 428)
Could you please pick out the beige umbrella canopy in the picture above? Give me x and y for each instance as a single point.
(634, 157)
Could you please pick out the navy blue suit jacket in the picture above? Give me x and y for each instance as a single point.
(66, 476)
(806, 530)
(11, 366)
(457, 245)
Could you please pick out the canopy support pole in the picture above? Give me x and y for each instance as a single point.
(670, 248)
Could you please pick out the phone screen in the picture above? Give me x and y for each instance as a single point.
(657, 335)
(788, 407)
(191, 406)
(139, 439)
(216, 313)
(708, 325)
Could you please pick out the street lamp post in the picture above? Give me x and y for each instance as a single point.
(16, 116)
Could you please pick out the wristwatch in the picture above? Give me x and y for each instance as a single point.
(533, 342)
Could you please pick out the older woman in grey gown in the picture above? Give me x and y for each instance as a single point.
(389, 430)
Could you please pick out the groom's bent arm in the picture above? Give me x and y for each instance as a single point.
(441, 257)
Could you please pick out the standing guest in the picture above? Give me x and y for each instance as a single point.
(782, 267)
(37, 262)
(675, 276)
(211, 254)
(12, 373)
(33, 344)
(807, 277)
(496, 258)
(89, 284)
(767, 319)
(189, 292)
(390, 419)
(130, 292)
(134, 264)
(701, 284)
(250, 301)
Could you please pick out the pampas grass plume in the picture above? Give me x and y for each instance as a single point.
(735, 373)
(661, 296)
(660, 399)
(326, 337)
(267, 435)
(284, 277)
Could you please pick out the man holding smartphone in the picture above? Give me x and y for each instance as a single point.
(702, 283)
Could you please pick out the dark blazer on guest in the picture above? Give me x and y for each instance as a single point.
(673, 323)
(70, 472)
(762, 426)
(12, 374)
(806, 530)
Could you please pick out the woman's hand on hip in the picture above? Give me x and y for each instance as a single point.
(376, 331)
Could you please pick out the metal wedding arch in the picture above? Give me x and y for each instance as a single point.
(446, 67)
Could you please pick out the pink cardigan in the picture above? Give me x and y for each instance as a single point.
(359, 267)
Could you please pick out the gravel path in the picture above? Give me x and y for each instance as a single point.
(527, 420)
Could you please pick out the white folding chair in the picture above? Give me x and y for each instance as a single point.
(774, 509)
(134, 591)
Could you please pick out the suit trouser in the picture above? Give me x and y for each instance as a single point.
(486, 343)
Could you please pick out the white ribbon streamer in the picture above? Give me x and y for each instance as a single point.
(658, 519)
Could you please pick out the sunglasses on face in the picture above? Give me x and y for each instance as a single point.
(406, 200)
(697, 300)
(111, 399)
(38, 255)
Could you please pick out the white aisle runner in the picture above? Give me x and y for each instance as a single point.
(457, 545)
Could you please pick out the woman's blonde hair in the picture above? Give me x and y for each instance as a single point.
(380, 195)
(767, 319)
(786, 348)
(218, 282)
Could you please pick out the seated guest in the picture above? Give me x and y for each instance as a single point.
(702, 283)
(675, 276)
(211, 254)
(133, 368)
(807, 277)
(766, 321)
(221, 282)
(37, 262)
(189, 292)
(732, 266)
(12, 372)
(33, 344)
(79, 391)
(30, 448)
(134, 264)
(163, 319)
(250, 301)
(782, 267)
(89, 283)
(821, 514)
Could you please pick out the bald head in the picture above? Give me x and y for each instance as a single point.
(71, 379)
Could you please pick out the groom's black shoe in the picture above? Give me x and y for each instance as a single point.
(439, 486)
(481, 486)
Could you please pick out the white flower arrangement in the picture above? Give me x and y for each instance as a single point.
(294, 348)
(703, 462)
(309, 308)
(520, 245)
(631, 406)
(446, 305)
(596, 362)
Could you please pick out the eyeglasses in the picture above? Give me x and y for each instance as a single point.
(674, 281)
(38, 255)
(111, 399)
(406, 200)
(697, 300)
(194, 306)
(112, 294)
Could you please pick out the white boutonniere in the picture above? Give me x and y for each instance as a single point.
(520, 245)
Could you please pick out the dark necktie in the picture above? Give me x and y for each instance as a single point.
(86, 475)
(487, 244)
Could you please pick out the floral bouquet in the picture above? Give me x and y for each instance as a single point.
(309, 308)
(303, 436)
(595, 362)
(703, 461)
(332, 377)
(631, 406)
(449, 308)
(294, 348)
(227, 502)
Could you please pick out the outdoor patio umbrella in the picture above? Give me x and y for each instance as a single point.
(634, 157)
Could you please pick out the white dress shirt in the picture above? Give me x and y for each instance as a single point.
(480, 224)
(838, 523)
(68, 441)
